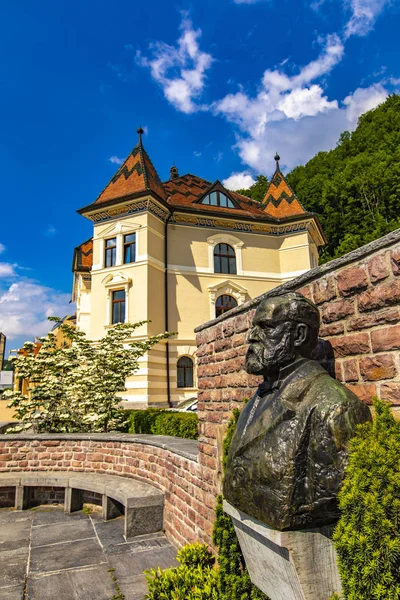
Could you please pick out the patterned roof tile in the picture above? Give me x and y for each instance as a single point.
(137, 174)
(280, 200)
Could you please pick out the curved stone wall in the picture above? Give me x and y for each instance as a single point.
(170, 464)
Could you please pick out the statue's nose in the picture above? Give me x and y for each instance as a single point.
(252, 336)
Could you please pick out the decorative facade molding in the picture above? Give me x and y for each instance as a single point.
(129, 209)
(112, 282)
(225, 238)
(226, 287)
(260, 228)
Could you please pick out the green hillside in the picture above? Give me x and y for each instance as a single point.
(355, 188)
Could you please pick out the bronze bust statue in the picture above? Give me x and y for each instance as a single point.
(290, 448)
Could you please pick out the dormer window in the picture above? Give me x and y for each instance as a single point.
(218, 198)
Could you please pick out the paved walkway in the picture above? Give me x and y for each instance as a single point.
(48, 555)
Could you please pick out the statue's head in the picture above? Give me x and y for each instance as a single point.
(284, 329)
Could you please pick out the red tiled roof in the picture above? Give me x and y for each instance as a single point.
(185, 191)
(83, 256)
(280, 200)
(137, 174)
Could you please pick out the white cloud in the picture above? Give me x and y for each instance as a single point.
(25, 306)
(364, 15)
(181, 69)
(238, 181)
(7, 270)
(298, 140)
(116, 160)
(196, 153)
(362, 100)
(293, 114)
(2, 248)
(281, 96)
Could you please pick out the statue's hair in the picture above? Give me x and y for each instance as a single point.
(295, 307)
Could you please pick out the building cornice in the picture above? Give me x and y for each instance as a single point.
(307, 223)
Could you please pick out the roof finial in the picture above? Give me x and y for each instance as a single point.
(173, 172)
(140, 132)
(277, 158)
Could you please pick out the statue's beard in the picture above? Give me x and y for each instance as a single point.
(262, 360)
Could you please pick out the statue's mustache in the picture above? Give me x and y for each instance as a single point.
(256, 350)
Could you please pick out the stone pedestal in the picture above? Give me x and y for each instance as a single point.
(295, 565)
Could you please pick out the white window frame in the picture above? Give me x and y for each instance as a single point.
(192, 358)
(117, 230)
(113, 283)
(231, 240)
(226, 287)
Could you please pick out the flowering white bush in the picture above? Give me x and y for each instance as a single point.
(73, 387)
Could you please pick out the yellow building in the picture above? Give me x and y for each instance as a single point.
(179, 253)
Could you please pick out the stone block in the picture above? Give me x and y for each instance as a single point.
(324, 290)
(395, 261)
(348, 345)
(350, 370)
(384, 294)
(378, 268)
(337, 310)
(375, 368)
(386, 339)
(295, 565)
(111, 508)
(141, 520)
(73, 500)
(21, 497)
(365, 391)
(352, 280)
(390, 391)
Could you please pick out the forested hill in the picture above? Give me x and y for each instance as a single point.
(355, 188)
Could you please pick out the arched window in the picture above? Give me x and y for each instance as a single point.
(224, 259)
(224, 303)
(185, 372)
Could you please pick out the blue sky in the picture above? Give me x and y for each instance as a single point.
(218, 86)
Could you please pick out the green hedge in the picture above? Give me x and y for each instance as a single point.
(367, 536)
(163, 422)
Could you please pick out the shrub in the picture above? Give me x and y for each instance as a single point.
(142, 421)
(367, 537)
(162, 422)
(234, 582)
(179, 424)
(194, 579)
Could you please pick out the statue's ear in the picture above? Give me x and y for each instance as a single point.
(300, 334)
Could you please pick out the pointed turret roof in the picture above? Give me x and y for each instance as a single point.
(136, 174)
(280, 200)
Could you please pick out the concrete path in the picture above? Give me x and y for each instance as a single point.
(48, 555)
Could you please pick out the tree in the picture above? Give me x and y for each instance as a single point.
(354, 188)
(258, 190)
(367, 537)
(73, 387)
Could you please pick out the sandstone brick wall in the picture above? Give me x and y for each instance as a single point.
(189, 503)
(359, 299)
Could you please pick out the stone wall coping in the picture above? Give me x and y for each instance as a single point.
(356, 255)
(183, 447)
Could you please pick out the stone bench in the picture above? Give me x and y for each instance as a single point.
(143, 503)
